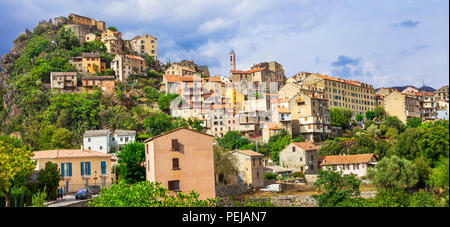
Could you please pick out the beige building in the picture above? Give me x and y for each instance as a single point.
(79, 168)
(403, 106)
(126, 65)
(301, 157)
(65, 81)
(349, 164)
(108, 32)
(179, 70)
(442, 93)
(144, 44)
(91, 37)
(270, 129)
(106, 83)
(250, 167)
(182, 160)
(113, 44)
(355, 95)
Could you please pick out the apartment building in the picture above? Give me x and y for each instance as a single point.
(200, 69)
(182, 160)
(145, 44)
(64, 81)
(262, 72)
(179, 70)
(301, 157)
(355, 95)
(79, 168)
(404, 106)
(442, 93)
(428, 105)
(126, 65)
(113, 44)
(250, 167)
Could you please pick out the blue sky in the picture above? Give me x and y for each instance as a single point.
(382, 42)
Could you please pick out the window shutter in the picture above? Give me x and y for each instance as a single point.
(62, 169)
(89, 168)
(103, 167)
(82, 168)
(70, 169)
(174, 144)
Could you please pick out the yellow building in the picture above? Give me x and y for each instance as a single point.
(90, 62)
(145, 44)
(355, 95)
(235, 99)
(404, 106)
(79, 168)
(250, 167)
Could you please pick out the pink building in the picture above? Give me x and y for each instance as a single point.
(182, 160)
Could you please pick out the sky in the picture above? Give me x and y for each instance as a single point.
(381, 42)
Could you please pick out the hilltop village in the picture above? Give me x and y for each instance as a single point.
(78, 95)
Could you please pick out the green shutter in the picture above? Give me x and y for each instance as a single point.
(82, 169)
(89, 168)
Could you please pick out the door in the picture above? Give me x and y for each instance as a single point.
(66, 188)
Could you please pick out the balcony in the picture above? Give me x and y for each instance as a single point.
(285, 117)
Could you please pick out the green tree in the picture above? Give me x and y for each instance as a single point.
(49, 178)
(146, 194)
(151, 94)
(370, 115)
(434, 141)
(359, 117)
(112, 28)
(440, 178)
(164, 101)
(364, 145)
(332, 148)
(157, 123)
(232, 140)
(340, 117)
(392, 122)
(393, 172)
(422, 199)
(408, 144)
(423, 171)
(335, 190)
(66, 39)
(225, 163)
(383, 148)
(413, 122)
(392, 134)
(15, 162)
(373, 131)
(380, 113)
(131, 157)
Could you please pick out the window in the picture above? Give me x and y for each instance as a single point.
(66, 169)
(121, 139)
(89, 139)
(175, 144)
(101, 147)
(293, 149)
(126, 139)
(174, 185)
(85, 168)
(175, 164)
(103, 167)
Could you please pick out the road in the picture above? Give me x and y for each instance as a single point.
(66, 201)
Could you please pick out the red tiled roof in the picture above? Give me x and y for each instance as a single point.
(346, 159)
(273, 126)
(135, 57)
(307, 146)
(247, 72)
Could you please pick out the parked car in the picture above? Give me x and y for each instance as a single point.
(95, 189)
(83, 194)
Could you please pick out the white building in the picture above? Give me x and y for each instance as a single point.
(348, 164)
(104, 141)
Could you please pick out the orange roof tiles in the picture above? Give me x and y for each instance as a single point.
(273, 126)
(247, 72)
(135, 57)
(283, 110)
(307, 146)
(346, 159)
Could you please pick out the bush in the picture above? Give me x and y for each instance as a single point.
(422, 199)
(270, 176)
(298, 175)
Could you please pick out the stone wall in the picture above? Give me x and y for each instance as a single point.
(233, 189)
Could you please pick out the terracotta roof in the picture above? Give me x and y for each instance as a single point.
(172, 78)
(247, 72)
(67, 153)
(63, 73)
(350, 82)
(249, 153)
(346, 159)
(273, 126)
(135, 57)
(307, 146)
(99, 78)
